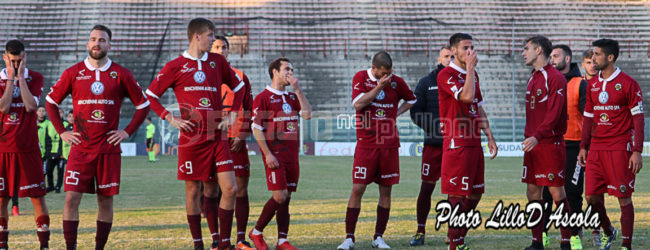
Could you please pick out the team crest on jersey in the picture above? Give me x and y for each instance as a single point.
(622, 188)
(381, 95)
(212, 64)
(618, 87)
(393, 85)
(199, 77)
(291, 126)
(539, 92)
(97, 88)
(204, 102)
(551, 176)
(293, 98)
(286, 108)
(97, 115)
(472, 110)
(380, 113)
(16, 92)
(113, 74)
(603, 97)
(13, 117)
(604, 117)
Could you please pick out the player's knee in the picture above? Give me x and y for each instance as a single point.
(73, 200)
(280, 197)
(242, 191)
(625, 201)
(229, 191)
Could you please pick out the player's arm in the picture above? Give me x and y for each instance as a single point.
(364, 99)
(406, 94)
(234, 82)
(58, 93)
(164, 80)
(7, 95)
(247, 105)
(635, 97)
(556, 101)
(467, 93)
(26, 95)
(418, 111)
(485, 126)
(305, 106)
(259, 117)
(141, 103)
(587, 126)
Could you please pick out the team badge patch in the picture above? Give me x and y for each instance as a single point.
(603, 97)
(97, 88)
(381, 95)
(393, 85)
(13, 117)
(291, 126)
(604, 117)
(113, 74)
(539, 92)
(622, 188)
(199, 77)
(551, 176)
(97, 115)
(212, 64)
(286, 108)
(380, 113)
(618, 87)
(204, 102)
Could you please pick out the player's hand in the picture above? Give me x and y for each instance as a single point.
(293, 81)
(116, 136)
(271, 161)
(180, 124)
(529, 144)
(582, 157)
(492, 146)
(70, 137)
(21, 67)
(383, 81)
(471, 59)
(636, 163)
(228, 121)
(236, 144)
(9, 66)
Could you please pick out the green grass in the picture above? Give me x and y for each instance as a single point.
(150, 214)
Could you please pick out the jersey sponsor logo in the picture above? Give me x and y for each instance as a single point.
(380, 113)
(608, 107)
(97, 88)
(109, 185)
(285, 118)
(381, 95)
(186, 69)
(113, 74)
(273, 100)
(199, 77)
(286, 108)
(201, 88)
(97, 115)
(382, 105)
(618, 87)
(204, 102)
(603, 97)
(212, 64)
(82, 76)
(291, 127)
(96, 101)
(604, 117)
(16, 92)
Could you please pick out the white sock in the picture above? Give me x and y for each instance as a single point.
(281, 241)
(255, 232)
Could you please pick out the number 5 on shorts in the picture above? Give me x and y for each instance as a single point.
(360, 172)
(72, 178)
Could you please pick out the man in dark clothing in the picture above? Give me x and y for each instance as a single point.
(576, 99)
(425, 114)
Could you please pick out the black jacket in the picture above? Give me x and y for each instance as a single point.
(425, 112)
(574, 71)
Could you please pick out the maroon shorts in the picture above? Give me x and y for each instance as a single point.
(241, 163)
(607, 171)
(202, 161)
(380, 165)
(91, 172)
(431, 162)
(462, 171)
(285, 176)
(545, 165)
(21, 173)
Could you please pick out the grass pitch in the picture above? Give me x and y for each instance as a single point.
(150, 213)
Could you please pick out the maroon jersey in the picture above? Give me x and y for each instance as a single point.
(277, 114)
(460, 122)
(97, 95)
(546, 108)
(375, 123)
(197, 85)
(611, 103)
(18, 131)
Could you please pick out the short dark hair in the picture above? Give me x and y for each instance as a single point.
(446, 47)
(382, 59)
(565, 49)
(14, 47)
(609, 46)
(197, 26)
(105, 29)
(456, 38)
(224, 39)
(587, 54)
(275, 65)
(70, 112)
(543, 42)
(148, 118)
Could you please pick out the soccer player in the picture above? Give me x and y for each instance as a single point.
(237, 135)
(463, 118)
(203, 152)
(376, 92)
(544, 147)
(151, 130)
(588, 64)
(425, 114)
(575, 100)
(21, 168)
(613, 135)
(97, 86)
(276, 119)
